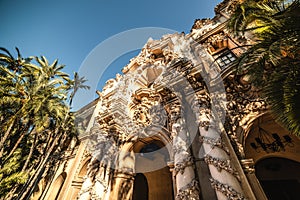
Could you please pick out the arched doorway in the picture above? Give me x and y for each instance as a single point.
(279, 177)
(273, 152)
(140, 187)
(152, 184)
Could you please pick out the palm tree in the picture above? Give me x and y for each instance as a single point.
(77, 83)
(273, 60)
(25, 110)
(61, 133)
(35, 119)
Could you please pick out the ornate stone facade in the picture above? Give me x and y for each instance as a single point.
(173, 126)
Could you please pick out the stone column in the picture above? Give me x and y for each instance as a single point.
(248, 167)
(186, 185)
(122, 188)
(224, 177)
(123, 180)
(171, 167)
(107, 180)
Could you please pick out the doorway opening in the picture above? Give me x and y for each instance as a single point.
(279, 177)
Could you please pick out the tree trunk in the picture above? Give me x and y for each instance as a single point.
(30, 153)
(5, 137)
(17, 143)
(39, 171)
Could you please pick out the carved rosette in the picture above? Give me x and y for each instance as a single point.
(227, 190)
(145, 108)
(141, 115)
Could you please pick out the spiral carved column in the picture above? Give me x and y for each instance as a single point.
(224, 177)
(187, 186)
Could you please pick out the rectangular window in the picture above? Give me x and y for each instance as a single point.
(225, 58)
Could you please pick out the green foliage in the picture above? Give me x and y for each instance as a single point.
(273, 61)
(10, 173)
(34, 110)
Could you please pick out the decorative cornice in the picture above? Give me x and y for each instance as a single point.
(227, 190)
(244, 102)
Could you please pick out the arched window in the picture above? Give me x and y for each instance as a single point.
(57, 185)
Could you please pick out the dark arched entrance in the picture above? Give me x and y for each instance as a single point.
(152, 171)
(279, 177)
(140, 188)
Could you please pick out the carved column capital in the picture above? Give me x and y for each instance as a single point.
(248, 165)
(125, 173)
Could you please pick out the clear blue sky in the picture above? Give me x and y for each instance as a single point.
(70, 29)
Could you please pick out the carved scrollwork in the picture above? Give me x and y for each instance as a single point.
(215, 142)
(222, 165)
(174, 111)
(199, 23)
(146, 109)
(141, 116)
(158, 115)
(180, 166)
(227, 190)
(202, 107)
(189, 192)
(243, 103)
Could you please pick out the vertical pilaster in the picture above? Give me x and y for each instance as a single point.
(248, 167)
(171, 166)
